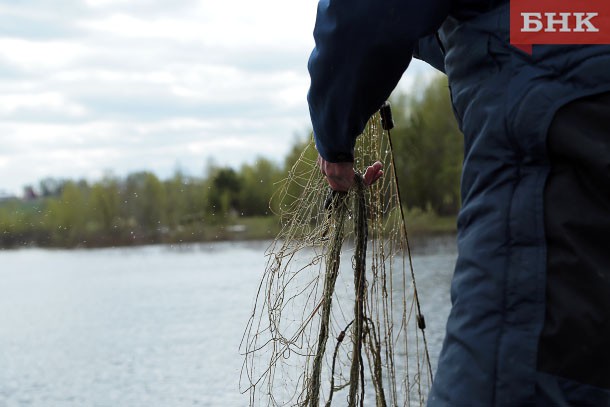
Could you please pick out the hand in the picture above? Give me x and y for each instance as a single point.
(340, 176)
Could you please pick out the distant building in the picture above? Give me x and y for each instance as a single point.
(29, 194)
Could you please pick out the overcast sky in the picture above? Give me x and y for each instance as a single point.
(95, 86)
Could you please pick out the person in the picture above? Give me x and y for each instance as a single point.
(529, 323)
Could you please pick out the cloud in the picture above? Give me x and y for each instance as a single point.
(88, 86)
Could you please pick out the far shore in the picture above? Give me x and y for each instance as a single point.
(420, 225)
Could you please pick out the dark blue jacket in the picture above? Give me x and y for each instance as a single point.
(504, 101)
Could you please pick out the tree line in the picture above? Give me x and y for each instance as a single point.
(141, 208)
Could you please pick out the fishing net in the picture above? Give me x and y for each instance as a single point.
(337, 319)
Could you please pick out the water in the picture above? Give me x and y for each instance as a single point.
(147, 326)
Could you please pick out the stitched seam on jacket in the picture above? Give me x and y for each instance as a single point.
(509, 240)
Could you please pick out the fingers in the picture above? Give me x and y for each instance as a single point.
(340, 176)
(373, 173)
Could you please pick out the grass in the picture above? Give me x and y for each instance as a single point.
(419, 223)
(246, 228)
(427, 223)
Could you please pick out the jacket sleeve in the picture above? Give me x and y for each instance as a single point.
(362, 49)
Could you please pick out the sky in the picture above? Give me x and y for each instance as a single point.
(96, 87)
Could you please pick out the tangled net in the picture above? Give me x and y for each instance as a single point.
(326, 328)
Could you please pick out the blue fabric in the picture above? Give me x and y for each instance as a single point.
(429, 49)
(504, 102)
(553, 391)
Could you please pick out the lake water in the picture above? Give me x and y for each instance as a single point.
(148, 326)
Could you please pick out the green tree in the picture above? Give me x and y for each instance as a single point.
(20, 223)
(225, 185)
(104, 207)
(152, 204)
(67, 215)
(258, 181)
(297, 167)
(144, 206)
(428, 148)
(178, 199)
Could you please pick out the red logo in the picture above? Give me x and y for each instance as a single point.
(559, 22)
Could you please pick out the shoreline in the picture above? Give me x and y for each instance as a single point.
(420, 226)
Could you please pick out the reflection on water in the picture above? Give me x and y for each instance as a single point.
(148, 326)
